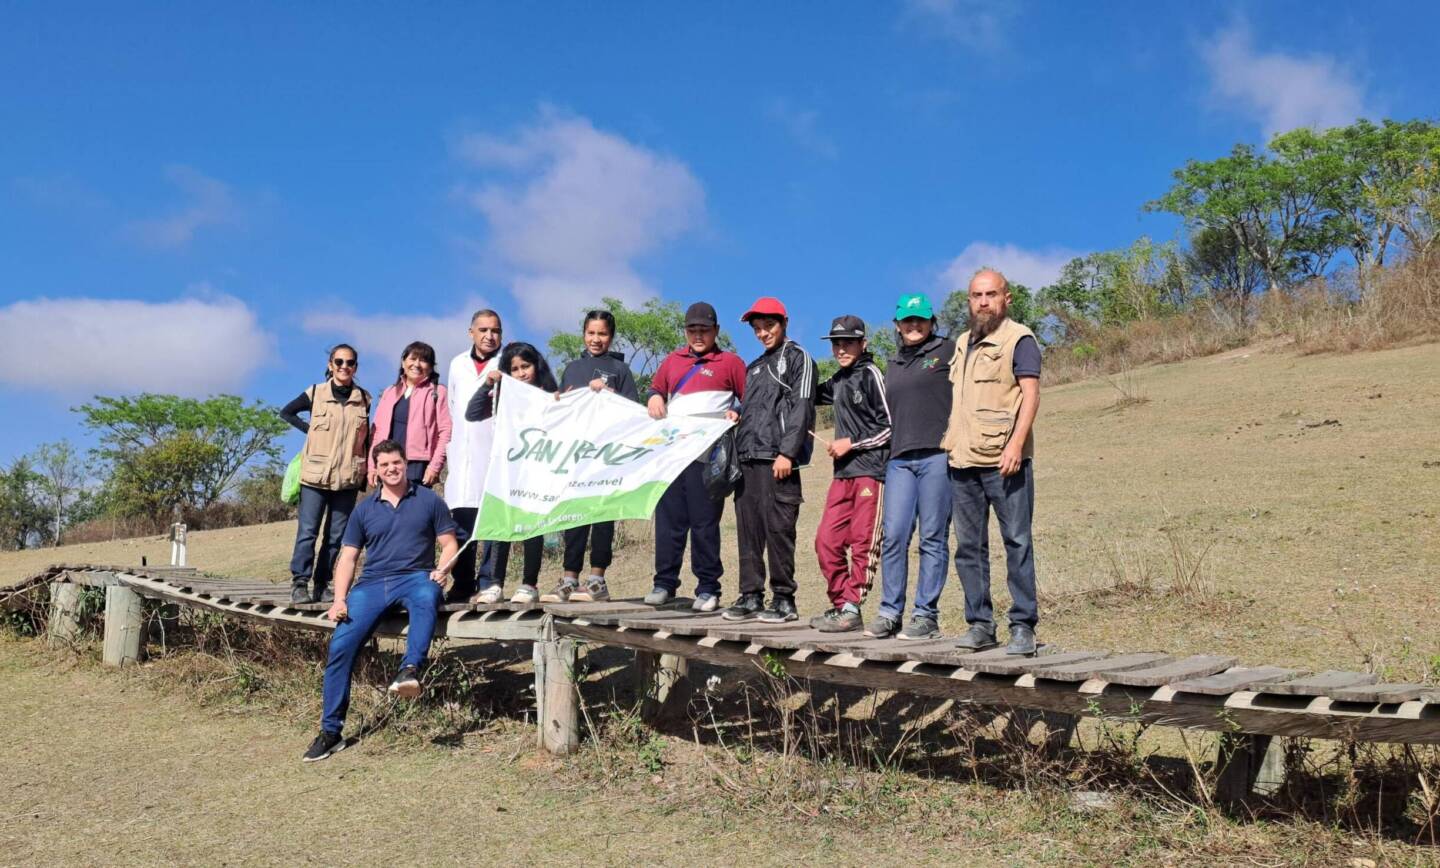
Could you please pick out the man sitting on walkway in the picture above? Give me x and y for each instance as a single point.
(397, 526)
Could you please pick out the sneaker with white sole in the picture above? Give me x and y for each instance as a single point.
(526, 595)
(407, 683)
(488, 596)
(705, 603)
(325, 745)
(563, 593)
(659, 597)
(593, 591)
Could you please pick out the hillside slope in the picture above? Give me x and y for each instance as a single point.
(1311, 484)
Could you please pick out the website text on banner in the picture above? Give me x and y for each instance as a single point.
(587, 457)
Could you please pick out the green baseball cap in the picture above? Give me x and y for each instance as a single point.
(914, 304)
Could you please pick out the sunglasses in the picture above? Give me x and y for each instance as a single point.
(345, 363)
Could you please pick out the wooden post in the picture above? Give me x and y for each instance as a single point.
(555, 692)
(124, 626)
(1249, 764)
(64, 626)
(659, 679)
(177, 544)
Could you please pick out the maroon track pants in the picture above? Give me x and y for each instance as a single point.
(850, 525)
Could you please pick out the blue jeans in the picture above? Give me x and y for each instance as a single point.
(368, 601)
(917, 486)
(977, 490)
(305, 561)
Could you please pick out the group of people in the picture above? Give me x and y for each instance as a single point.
(939, 438)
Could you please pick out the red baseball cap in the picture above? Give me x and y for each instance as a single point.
(766, 306)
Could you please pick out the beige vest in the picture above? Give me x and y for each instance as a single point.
(334, 453)
(986, 398)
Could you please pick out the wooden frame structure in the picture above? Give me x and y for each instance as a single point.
(1248, 705)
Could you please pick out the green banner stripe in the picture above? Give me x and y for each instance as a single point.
(504, 522)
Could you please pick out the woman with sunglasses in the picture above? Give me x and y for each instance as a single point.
(525, 363)
(413, 412)
(332, 469)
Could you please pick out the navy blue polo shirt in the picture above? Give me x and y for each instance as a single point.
(398, 539)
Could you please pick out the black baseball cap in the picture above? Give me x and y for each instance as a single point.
(847, 328)
(702, 314)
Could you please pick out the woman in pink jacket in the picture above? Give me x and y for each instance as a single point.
(413, 412)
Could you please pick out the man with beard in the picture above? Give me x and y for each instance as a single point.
(990, 441)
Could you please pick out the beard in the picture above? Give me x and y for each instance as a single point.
(982, 324)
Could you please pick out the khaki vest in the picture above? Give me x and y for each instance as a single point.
(987, 398)
(334, 453)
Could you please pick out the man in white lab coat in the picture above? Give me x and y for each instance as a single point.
(468, 454)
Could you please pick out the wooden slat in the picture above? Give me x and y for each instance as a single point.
(1384, 692)
(611, 617)
(882, 650)
(748, 631)
(661, 619)
(697, 624)
(1084, 671)
(952, 656)
(1320, 684)
(804, 636)
(1014, 664)
(1236, 680)
(1196, 666)
(585, 610)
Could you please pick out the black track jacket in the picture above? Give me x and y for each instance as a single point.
(862, 414)
(778, 411)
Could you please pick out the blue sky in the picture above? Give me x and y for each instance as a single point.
(202, 197)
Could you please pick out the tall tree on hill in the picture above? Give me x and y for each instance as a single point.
(62, 476)
(166, 451)
(23, 519)
(1223, 270)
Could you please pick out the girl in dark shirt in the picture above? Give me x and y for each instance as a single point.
(525, 363)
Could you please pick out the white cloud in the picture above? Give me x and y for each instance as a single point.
(380, 337)
(1280, 91)
(981, 25)
(571, 209)
(92, 345)
(803, 127)
(1033, 268)
(208, 202)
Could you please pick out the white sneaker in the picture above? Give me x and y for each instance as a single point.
(705, 603)
(489, 596)
(526, 594)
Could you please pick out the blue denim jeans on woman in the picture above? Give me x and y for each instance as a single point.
(977, 491)
(305, 562)
(917, 487)
(367, 602)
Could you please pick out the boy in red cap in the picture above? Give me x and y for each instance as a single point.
(852, 506)
(773, 442)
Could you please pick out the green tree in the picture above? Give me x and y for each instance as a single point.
(62, 477)
(161, 479)
(212, 441)
(645, 334)
(1221, 268)
(23, 519)
(1397, 168)
(1114, 287)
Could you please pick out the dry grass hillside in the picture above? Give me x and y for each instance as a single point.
(1279, 507)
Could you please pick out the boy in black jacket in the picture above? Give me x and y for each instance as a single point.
(852, 507)
(598, 368)
(773, 442)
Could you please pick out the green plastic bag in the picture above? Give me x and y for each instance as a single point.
(290, 488)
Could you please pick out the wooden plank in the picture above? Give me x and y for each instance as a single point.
(1236, 680)
(951, 656)
(883, 650)
(1012, 664)
(585, 610)
(611, 617)
(1383, 692)
(748, 631)
(1084, 671)
(803, 636)
(654, 619)
(1195, 666)
(697, 625)
(1320, 684)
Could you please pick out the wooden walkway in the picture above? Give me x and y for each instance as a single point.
(1248, 703)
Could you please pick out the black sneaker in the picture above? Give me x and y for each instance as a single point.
(977, 638)
(780, 610)
(883, 627)
(326, 595)
(839, 621)
(823, 617)
(745, 607)
(406, 683)
(1022, 641)
(325, 745)
(920, 627)
(300, 593)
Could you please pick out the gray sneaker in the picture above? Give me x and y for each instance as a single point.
(838, 621)
(595, 591)
(563, 592)
(977, 638)
(705, 603)
(659, 597)
(920, 627)
(883, 627)
(1022, 641)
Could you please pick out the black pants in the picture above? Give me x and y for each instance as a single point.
(464, 573)
(766, 512)
(601, 536)
(497, 557)
(686, 510)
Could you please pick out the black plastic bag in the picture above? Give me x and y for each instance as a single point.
(722, 467)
